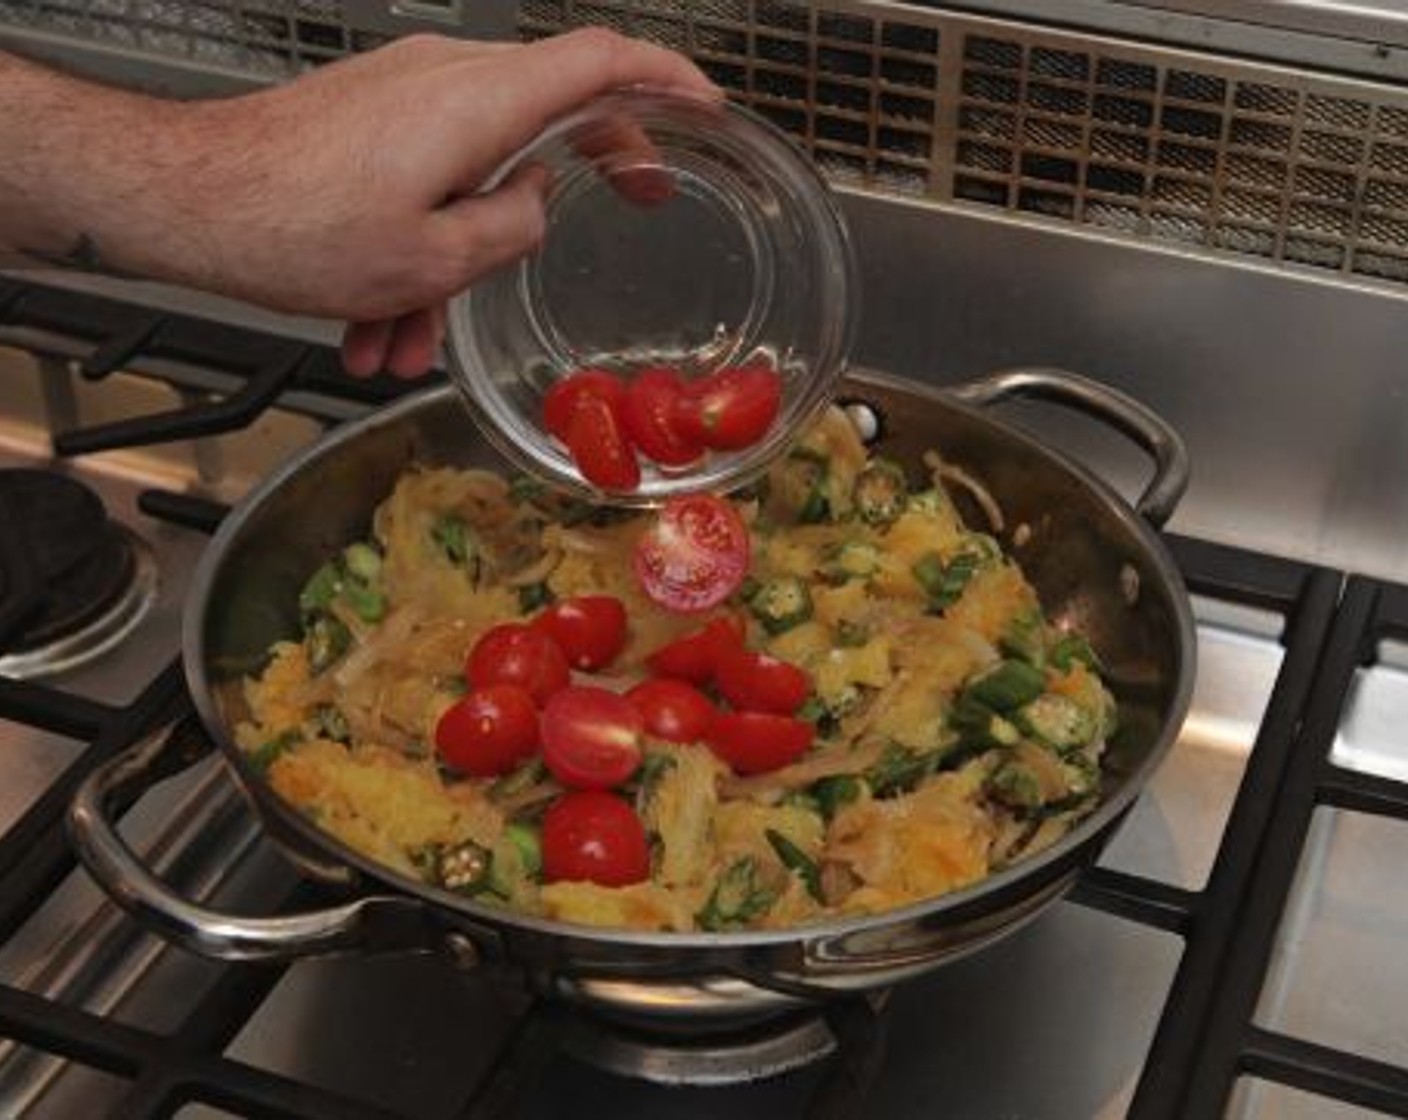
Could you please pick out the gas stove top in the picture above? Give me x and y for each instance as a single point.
(1237, 951)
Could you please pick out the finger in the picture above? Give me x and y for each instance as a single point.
(592, 60)
(485, 231)
(364, 347)
(415, 343)
(627, 159)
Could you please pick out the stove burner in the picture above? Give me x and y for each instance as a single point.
(768, 1049)
(753, 1052)
(72, 582)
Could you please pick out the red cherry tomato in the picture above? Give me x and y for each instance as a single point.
(730, 409)
(596, 836)
(512, 653)
(758, 682)
(488, 731)
(754, 742)
(591, 737)
(695, 554)
(695, 656)
(561, 399)
(648, 415)
(673, 710)
(589, 629)
(600, 447)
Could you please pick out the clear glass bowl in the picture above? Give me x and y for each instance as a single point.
(680, 232)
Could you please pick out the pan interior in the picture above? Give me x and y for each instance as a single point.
(1096, 566)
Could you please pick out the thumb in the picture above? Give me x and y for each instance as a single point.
(484, 231)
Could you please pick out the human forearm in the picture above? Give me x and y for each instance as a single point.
(92, 177)
(355, 191)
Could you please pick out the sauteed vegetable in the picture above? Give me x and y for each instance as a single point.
(485, 697)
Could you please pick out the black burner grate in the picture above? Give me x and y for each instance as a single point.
(1223, 1042)
(1205, 1039)
(34, 852)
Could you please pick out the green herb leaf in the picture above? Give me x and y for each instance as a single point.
(1070, 649)
(534, 597)
(362, 561)
(264, 755)
(326, 640)
(321, 589)
(833, 792)
(900, 769)
(456, 540)
(737, 898)
(943, 583)
(796, 861)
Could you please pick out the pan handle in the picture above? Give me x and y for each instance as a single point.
(1127, 415)
(371, 923)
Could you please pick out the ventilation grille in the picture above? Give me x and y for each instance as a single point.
(861, 91)
(1165, 145)
(1266, 165)
(263, 39)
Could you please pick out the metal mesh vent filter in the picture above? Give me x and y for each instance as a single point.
(1169, 145)
(1172, 146)
(1271, 163)
(262, 38)
(860, 86)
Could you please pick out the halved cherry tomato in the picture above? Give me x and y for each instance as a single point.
(600, 447)
(695, 554)
(594, 836)
(648, 414)
(755, 742)
(695, 656)
(589, 629)
(514, 653)
(488, 731)
(673, 710)
(591, 737)
(561, 399)
(730, 409)
(758, 682)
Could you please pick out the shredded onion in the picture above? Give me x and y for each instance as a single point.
(484, 484)
(393, 632)
(983, 651)
(835, 430)
(533, 795)
(957, 475)
(538, 571)
(574, 540)
(855, 726)
(825, 764)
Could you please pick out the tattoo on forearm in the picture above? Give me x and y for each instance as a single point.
(82, 256)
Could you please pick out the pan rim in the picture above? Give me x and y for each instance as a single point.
(955, 905)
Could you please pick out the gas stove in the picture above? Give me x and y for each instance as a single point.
(1205, 205)
(1235, 952)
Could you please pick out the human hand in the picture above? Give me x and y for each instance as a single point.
(352, 192)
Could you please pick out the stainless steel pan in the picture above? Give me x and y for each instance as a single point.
(1095, 562)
